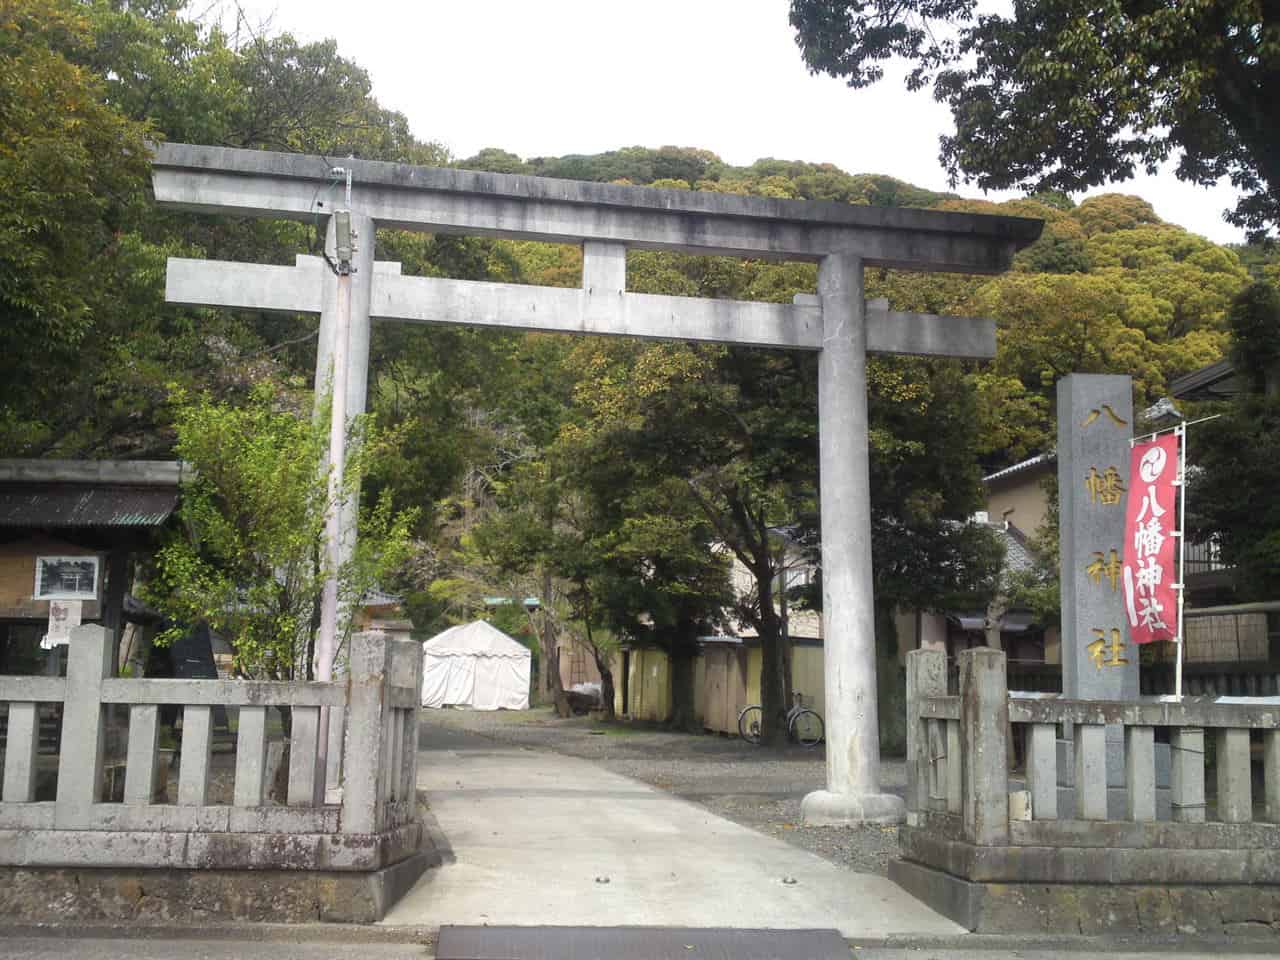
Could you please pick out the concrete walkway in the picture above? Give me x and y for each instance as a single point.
(543, 839)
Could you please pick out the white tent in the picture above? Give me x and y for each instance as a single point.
(475, 665)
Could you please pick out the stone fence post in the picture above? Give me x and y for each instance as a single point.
(363, 797)
(413, 721)
(984, 712)
(83, 727)
(926, 677)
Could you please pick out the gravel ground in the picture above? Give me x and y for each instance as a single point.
(754, 786)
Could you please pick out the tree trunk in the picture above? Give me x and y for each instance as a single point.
(602, 664)
(774, 668)
(606, 687)
(552, 683)
(784, 634)
(891, 685)
(140, 650)
(548, 654)
(993, 627)
(684, 659)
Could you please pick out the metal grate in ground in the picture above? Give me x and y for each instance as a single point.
(637, 943)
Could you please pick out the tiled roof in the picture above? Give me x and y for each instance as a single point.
(84, 505)
(1017, 554)
(1215, 381)
(1037, 460)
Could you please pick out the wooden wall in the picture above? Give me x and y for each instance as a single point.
(18, 577)
(726, 679)
(724, 686)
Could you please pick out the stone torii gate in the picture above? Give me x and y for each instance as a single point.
(606, 220)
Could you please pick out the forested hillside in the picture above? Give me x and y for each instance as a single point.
(592, 471)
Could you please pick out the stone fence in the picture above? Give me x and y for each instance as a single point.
(343, 860)
(998, 851)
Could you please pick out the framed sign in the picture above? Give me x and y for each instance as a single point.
(66, 578)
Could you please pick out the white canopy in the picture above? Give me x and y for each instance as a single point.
(475, 665)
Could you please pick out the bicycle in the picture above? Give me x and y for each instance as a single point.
(804, 726)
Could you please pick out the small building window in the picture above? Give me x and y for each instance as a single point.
(66, 578)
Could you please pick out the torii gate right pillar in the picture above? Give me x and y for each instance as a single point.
(848, 609)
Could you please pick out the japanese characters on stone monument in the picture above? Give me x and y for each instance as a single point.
(1095, 422)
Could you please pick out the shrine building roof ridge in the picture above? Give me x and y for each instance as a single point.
(990, 240)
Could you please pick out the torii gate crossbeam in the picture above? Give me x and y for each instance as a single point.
(607, 220)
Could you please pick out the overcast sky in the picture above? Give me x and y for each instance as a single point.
(585, 76)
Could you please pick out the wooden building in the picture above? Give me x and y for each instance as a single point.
(69, 532)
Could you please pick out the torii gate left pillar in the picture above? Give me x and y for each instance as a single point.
(607, 219)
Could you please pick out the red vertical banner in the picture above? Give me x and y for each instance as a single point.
(1150, 549)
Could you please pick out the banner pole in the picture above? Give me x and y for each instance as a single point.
(1134, 441)
(1181, 433)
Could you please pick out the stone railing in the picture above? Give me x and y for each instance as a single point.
(373, 713)
(997, 850)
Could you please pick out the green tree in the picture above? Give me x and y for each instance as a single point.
(738, 429)
(89, 346)
(657, 574)
(546, 526)
(1064, 95)
(1149, 299)
(71, 166)
(1255, 337)
(196, 83)
(1231, 498)
(625, 543)
(249, 559)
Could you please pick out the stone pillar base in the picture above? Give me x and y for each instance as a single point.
(54, 895)
(823, 808)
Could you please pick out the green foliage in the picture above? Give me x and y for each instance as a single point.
(1150, 301)
(1232, 493)
(1063, 95)
(1255, 335)
(1038, 588)
(495, 160)
(622, 537)
(923, 491)
(87, 344)
(71, 166)
(1262, 260)
(633, 165)
(249, 560)
(196, 84)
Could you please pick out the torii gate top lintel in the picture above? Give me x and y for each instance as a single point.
(291, 186)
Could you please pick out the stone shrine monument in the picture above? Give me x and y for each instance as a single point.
(1114, 831)
(1095, 423)
(1099, 660)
